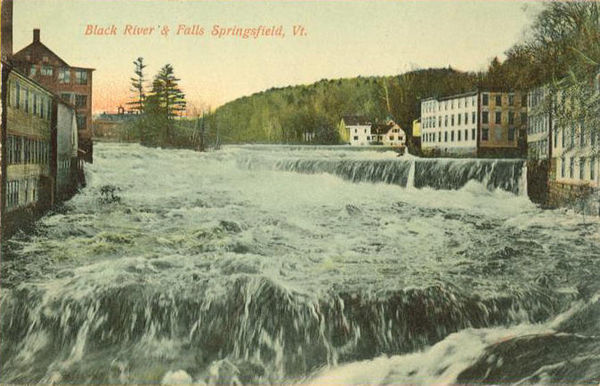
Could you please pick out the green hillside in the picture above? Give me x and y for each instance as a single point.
(282, 115)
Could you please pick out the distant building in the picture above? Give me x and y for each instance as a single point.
(539, 138)
(539, 122)
(416, 128)
(563, 158)
(67, 163)
(482, 123)
(357, 129)
(575, 160)
(388, 134)
(72, 84)
(111, 125)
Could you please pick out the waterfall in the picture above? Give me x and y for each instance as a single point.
(440, 174)
(411, 176)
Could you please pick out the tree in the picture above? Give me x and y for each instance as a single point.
(166, 101)
(137, 86)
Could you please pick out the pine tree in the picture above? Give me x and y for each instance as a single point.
(137, 86)
(166, 101)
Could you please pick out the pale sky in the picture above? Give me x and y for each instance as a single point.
(345, 38)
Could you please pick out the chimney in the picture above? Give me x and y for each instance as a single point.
(6, 44)
(36, 35)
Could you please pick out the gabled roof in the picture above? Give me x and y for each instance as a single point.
(381, 128)
(37, 50)
(356, 120)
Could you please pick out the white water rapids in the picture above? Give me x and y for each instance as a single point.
(271, 264)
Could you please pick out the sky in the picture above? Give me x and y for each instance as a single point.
(341, 38)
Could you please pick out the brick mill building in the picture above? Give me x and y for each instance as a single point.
(72, 84)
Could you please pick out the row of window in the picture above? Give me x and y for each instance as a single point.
(485, 134)
(66, 164)
(583, 138)
(379, 138)
(437, 137)
(64, 74)
(585, 172)
(433, 106)
(449, 120)
(538, 149)
(21, 192)
(485, 118)
(538, 125)
(77, 99)
(485, 99)
(22, 150)
(29, 100)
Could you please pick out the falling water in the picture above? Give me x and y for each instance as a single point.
(274, 264)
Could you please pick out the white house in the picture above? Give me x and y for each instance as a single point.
(388, 134)
(359, 130)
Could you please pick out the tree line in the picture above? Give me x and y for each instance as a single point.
(560, 50)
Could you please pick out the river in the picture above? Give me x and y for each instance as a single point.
(273, 264)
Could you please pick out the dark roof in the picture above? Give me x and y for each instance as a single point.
(37, 50)
(356, 120)
(381, 128)
(464, 94)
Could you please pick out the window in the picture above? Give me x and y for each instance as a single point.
(581, 168)
(511, 99)
(571, 167)
(572, 135)
(65, 96)
(459, 134)
(439, 137)
(499, 133)
(473, 117)
(466, 118)
(498, 100)
(498, 117)
(484, 99)
(81, 77)
(511, 134)
(356, 138)
(511, 118)
(523, 118)
(485, 134)
(82, 122)
(459, 117)
(81, 100)
(472, 134)
(18, 95)
(35, 104)
(26, 101)
(64, 75)
(49, 108)
(32, 70)
(562, 167)
(466, 135)
(555, 137)
(593, 168)
(445, 136)
(46, 71)
(484, 117)
(452, 120)
(452, 136)
(563, 135)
